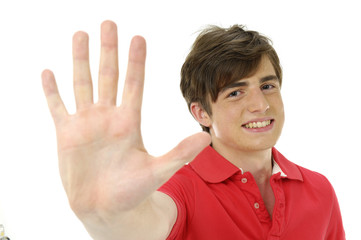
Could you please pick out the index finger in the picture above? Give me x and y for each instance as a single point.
(134, 81)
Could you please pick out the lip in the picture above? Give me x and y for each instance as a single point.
(257, 130)
(258, 120)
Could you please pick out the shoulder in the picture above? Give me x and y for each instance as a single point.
(313, 177)
(307, 181)
(181, 184)
(323, 195)
(318, 183)
(185, 175)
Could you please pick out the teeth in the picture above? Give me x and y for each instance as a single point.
(258, 124)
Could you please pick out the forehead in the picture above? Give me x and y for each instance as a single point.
(264, 72)
(265, 67)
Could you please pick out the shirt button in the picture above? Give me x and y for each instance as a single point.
(244, 180)
(256, 205)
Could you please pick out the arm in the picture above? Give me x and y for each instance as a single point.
(108, 176)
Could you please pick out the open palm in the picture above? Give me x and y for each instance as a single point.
(103, 163)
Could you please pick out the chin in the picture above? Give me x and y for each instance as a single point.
(256, 148)
(258, 145)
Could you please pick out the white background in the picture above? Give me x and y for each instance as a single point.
(318, 42)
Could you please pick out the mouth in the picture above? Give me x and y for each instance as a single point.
(257, 125)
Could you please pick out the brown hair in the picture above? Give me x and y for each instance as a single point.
(219, 57)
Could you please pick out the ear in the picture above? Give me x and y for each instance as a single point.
(200, 114)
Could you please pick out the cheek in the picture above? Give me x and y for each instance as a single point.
(225, 121)
(279, 110)
(277, 102)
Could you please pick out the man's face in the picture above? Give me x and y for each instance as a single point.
(248, 114)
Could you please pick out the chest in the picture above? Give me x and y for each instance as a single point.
(268, 197)
(238, 210)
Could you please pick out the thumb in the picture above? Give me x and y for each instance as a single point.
(184, 152)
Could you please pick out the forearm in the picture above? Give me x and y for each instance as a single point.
(153, 219)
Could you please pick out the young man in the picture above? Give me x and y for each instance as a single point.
(237, 187)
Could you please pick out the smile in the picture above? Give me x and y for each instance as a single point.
(258, 124)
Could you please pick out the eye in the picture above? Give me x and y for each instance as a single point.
(267, 87)
(234, 94)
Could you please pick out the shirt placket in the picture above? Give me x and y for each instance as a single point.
(274, 226)
(250, 189)
(278, 215)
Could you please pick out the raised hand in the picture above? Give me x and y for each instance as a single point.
(104, 166)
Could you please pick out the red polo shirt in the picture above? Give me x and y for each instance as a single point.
(215, 200)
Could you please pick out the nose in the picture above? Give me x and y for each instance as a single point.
(257, 103)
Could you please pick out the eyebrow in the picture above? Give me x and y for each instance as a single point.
(244, 83)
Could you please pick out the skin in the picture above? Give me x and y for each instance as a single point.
(252, 99)
(108, 176)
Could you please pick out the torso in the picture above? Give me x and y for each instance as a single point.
(269, 200)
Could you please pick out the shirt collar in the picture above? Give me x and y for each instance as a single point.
(286, 167)
(214, 168)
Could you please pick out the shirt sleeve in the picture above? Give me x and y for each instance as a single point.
(178, 189)
(335, 228)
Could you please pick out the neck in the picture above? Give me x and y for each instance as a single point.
(258, 163)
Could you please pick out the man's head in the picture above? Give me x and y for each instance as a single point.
(220, 57)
